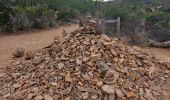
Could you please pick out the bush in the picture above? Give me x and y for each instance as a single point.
(22, 22)
(158, 27)
(67, 12)
(42, 22)
(75, 13)
(38, 16)
(52, 22)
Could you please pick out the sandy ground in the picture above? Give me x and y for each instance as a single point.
(163, 54)
(33, 40)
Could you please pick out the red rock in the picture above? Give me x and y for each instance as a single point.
(108, 89)
(130, 95)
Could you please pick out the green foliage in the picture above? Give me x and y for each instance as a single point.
(44, 13)
(115, 11)
(159, 25)
(55, 4)
(159, 19)
(64, 12)
(67, 12)
(33, 17)
(35, 11)
(7, 15)
(22, 22)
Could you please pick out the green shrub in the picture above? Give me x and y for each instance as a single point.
(75, 13)
(67, 12)
(64, 13)
(38, 16)
(42, 22)
(114, 12)
(159, 26)
(22, 22)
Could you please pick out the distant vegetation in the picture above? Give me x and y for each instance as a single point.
(139, 18)
(18, 15)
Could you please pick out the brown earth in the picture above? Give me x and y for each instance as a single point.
(163, 54)
(33, 40)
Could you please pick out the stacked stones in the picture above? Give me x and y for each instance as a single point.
(85, 67)
(90, 25)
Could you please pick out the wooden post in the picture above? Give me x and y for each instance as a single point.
(118, 26)
(98, 26)
(103, 26)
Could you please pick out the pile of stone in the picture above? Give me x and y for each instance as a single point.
(84, 67)
(90, 25)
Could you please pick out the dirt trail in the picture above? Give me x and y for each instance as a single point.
(163, 54)
(30, 41)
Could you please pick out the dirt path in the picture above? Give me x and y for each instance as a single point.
(30, 41)
(163, 54)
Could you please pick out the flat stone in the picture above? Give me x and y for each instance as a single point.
(167, 71)
(56, 37)
(103, 66)
(68, 98)
(29, 55)
(60, 65)
(19, 52)
(105, 37)
(130, 95)
(95, 57)
(68, 77)
(85, 95)
(86, 77)
(116, 75)
(108, 89)
(54, 84)
(100, 84)
(47, 97)
(156, 93)
(2, 75)
(66, 53)
(136, 48)
(57, 42)
(94, 97)
(16, 85)
(114, 52)
(30, 96)
(64, 58)
(7, 95)
(121, 60)
(37, 60)
(86, 59)
(119, 93)
(111, 97)
(156, 88)
(78, 61)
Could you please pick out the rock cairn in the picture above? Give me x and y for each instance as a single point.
(90, 27)
(84, 67)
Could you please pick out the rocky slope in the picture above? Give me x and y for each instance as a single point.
(85, 67)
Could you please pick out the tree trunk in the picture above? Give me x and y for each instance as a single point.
(159, 45)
